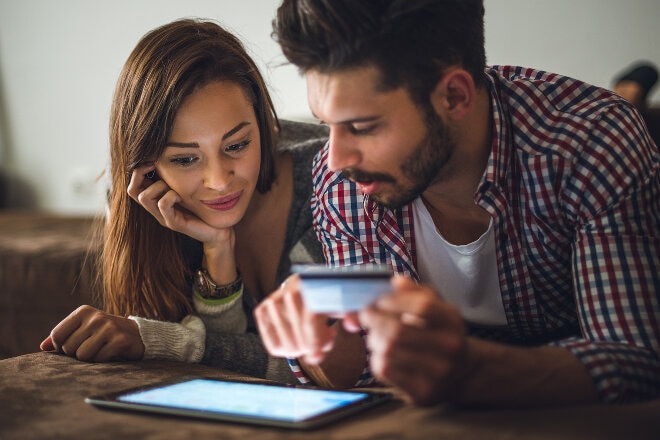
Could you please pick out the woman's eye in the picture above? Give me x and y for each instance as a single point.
(183, 161)
(233, 148)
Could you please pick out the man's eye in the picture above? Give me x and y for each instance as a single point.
(362, 130)
(183, 161)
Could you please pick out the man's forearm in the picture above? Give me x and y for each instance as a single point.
(530, 376)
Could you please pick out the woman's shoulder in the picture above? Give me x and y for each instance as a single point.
(301, 141)
(297, 135)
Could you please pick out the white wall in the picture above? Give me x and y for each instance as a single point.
(59, 61)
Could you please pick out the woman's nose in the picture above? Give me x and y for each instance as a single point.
(218, 174)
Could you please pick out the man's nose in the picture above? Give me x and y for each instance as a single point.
(343, 151)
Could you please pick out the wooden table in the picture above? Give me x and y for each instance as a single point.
(41, 397)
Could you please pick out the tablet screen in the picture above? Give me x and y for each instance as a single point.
(242, 401)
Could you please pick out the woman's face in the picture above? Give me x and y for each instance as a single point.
(213, 156)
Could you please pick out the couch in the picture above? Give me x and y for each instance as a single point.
(44, 275)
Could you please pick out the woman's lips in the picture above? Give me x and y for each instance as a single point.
(224, 203)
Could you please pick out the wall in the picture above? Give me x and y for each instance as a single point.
(59, 62)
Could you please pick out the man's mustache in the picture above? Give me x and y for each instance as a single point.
(364, 177)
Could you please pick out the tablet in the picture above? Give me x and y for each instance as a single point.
(244, 402)
(341, 289)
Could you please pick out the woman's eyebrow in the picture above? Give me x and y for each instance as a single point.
(235, 129)
(229, 133)
(182, 144)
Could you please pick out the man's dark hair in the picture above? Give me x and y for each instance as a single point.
(410, 42)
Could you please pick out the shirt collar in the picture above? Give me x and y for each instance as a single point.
(491, 191)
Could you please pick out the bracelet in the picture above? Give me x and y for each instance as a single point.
(208, 289)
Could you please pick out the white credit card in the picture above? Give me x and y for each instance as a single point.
(344, 288)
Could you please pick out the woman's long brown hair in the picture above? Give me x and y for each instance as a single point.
(142, 268)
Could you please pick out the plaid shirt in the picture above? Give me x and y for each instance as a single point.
(573, 187)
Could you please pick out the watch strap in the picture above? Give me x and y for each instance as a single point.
(207, 288)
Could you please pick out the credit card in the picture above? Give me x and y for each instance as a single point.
(341, 289)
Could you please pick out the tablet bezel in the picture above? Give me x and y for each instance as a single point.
(110, 401)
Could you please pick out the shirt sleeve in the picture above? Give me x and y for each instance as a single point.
(365, 379)
(616, 258)
(186, 340)
(338, 216)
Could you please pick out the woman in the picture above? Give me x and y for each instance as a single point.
(204, 213)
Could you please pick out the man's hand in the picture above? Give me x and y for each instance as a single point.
(418, 342)
(91, 335)
(288, 329)
(330, 356)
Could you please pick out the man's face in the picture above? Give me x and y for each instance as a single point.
(390, 148)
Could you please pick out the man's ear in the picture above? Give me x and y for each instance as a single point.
(455, 94)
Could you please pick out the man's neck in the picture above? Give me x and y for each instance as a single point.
(451, 201)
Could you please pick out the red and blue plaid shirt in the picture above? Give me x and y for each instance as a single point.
(573, 187)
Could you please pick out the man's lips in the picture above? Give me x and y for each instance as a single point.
(224, 203)
(368, 186)
(367, 182)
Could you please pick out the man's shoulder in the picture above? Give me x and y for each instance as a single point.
(548, 113)
(527, 75)
(545, 91)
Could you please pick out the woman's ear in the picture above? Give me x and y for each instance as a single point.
(454, 95)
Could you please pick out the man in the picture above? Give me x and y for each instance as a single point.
(521, 208)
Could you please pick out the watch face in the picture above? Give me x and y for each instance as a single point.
(202, 285)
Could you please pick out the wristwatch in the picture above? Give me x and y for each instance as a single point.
(207, 288)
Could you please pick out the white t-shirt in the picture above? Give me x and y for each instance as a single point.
(464, 275)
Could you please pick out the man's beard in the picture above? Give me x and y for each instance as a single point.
(420, 168)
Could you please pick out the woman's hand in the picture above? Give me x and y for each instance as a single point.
(91, 335)
(164, 204)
